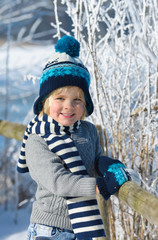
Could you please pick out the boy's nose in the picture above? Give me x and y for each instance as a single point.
(69, 104)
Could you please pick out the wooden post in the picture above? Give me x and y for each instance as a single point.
(103, 205)
(134, 196)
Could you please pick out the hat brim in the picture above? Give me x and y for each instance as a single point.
(89, 104)
(53, 83)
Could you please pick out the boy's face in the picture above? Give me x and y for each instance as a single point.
(67, 106)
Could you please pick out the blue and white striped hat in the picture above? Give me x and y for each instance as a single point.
(64, 68)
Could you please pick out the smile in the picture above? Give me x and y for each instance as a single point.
(68, 115)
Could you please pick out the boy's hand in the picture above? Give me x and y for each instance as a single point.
(97, 190)
(112, 180)
(103, 164)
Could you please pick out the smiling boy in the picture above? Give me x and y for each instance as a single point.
(62, 153)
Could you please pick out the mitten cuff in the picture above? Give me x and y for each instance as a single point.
(102, 188)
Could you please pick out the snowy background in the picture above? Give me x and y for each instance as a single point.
(25, 63)
(9, 230)
(119, 45)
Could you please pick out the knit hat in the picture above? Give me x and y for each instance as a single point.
(64, 68)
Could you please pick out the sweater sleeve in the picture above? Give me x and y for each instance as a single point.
(47, 169)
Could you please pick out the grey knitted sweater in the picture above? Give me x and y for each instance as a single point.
(54, 182)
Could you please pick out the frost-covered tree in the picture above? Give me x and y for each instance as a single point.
(119, 44)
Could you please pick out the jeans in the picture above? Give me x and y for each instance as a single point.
(43, 232)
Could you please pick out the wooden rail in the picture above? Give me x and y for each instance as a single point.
(140, 200)
(12, 130)
(134, 196)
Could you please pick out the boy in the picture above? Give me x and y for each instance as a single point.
(62, 153)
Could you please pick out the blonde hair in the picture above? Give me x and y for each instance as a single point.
(46, 102)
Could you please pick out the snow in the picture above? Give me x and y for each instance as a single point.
(22, 92)
(11, 230)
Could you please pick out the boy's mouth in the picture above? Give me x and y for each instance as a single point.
(68, 115)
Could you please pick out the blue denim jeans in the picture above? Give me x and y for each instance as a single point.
(42, 232)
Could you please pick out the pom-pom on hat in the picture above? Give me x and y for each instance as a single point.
(64, 68)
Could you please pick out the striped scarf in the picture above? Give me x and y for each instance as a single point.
(83, 211)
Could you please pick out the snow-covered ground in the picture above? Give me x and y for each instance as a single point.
(11, 230)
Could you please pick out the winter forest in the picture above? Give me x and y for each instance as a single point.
(119, 46)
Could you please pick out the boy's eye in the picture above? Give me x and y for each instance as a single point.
(59, 98)
(77, 100)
